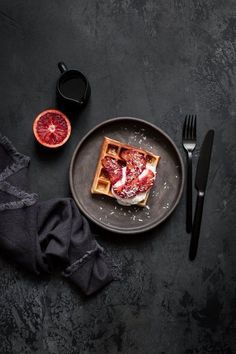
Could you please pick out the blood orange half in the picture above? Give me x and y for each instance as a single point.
(52, 128)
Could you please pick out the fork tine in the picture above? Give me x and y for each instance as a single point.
(195, 127)
(185, 127)
(194, 118)
(192, 126)
(189, 127)
(191, 131)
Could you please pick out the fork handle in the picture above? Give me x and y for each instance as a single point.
(189, 193)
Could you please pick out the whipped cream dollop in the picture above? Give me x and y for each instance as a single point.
(138, 197)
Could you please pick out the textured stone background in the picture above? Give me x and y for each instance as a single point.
(156, 60)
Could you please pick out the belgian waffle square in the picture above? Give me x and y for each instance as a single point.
(101, 184)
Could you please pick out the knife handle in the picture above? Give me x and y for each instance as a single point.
(196, 226)
(189, 206)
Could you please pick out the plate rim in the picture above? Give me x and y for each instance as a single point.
(108, 227)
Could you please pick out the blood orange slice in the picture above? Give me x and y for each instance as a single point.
(112, 168)
(52, 128)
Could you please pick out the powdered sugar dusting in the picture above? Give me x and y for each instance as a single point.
(133, 213)
(139, 138)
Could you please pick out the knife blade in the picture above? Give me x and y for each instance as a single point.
(202, 172)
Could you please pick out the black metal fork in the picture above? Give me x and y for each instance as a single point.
(189, 143)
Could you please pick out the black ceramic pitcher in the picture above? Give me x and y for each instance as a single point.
(73, 88)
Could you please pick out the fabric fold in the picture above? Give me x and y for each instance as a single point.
(65, 238)
(90, 273)
(45, 236)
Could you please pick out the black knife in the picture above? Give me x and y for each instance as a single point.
(200, 184)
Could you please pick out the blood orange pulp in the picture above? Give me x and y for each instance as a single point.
(52, 128)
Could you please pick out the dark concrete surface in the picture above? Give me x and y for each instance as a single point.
(156, 60)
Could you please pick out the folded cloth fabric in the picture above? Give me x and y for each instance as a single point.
(42, 236)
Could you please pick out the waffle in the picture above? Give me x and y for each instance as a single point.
(101, 183)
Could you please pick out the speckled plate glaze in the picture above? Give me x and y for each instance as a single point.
(105, 211)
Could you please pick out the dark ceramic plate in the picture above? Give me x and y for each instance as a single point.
(164, 195)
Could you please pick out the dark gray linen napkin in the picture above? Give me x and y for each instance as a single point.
(42, 236)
